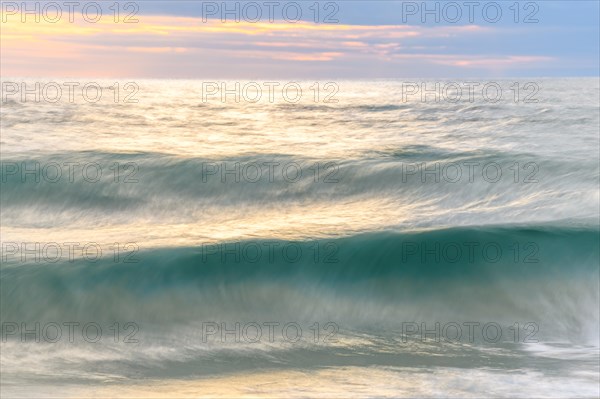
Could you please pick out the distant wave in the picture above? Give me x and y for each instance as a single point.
(144, 177)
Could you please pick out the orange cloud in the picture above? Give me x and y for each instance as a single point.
(187, 45)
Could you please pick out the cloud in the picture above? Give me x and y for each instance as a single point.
(171, 46)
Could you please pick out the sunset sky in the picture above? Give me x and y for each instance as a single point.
(184, 39)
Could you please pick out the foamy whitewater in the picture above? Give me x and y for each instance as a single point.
(310, 249)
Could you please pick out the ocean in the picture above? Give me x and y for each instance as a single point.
(170, 238)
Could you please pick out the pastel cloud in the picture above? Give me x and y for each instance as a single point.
(172, 46)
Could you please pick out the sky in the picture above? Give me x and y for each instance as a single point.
(346, 39)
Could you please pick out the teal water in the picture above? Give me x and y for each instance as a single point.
(397, 222)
